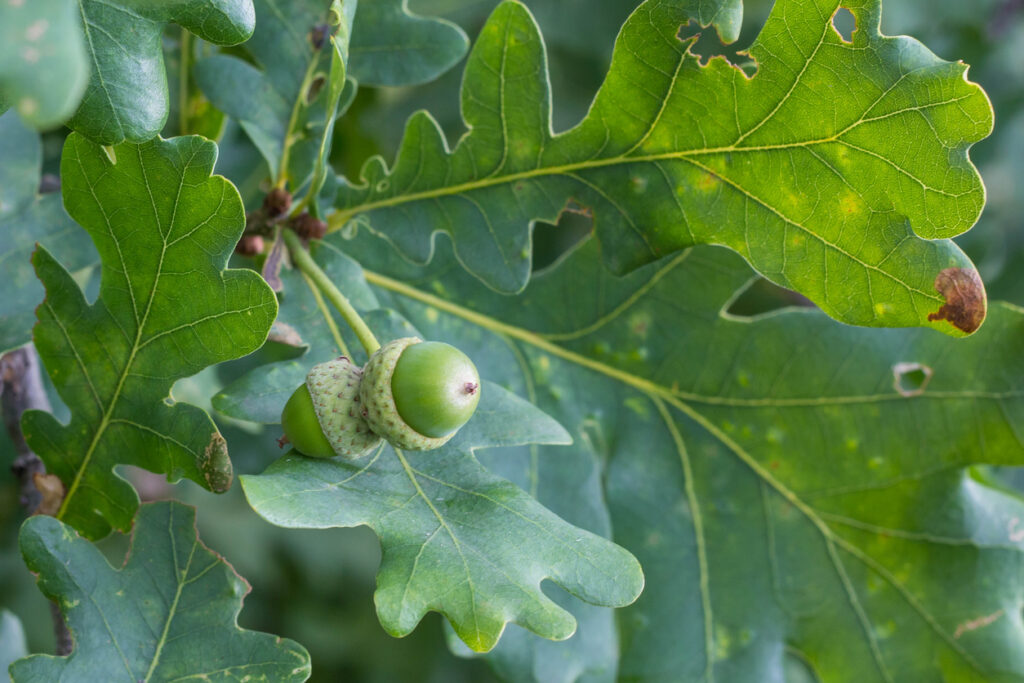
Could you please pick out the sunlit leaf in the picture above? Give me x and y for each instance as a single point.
(838, 170)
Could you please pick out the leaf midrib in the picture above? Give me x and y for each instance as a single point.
(542, 341)
(137, 344)
(675, 399)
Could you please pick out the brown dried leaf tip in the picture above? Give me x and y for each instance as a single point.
(965, 298)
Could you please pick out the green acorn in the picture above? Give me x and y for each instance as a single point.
(418, 394)
(323, 417)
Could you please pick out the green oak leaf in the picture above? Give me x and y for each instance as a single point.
(123, 41)
(839, 169)
(455, 538)
(169, 614)
(43, 67)
(270, 95)
(167, 308)
(27, 218)
(467, 525)
(392, 46)
(804, 495)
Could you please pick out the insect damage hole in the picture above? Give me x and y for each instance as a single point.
(844, 24)
(911, 379)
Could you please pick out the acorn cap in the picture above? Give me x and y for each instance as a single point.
(378, 402)
(334, 388)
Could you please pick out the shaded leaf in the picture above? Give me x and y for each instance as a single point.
(169, 614)
(483, 545)
(455, 538)
(270, 100)
(167, 308)
(12, 640)
(838, 170)
(43, 68)
(393, 46)
(27, 218)
(123, 41)
(780, 490)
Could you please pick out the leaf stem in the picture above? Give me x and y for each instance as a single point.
(307, 80)
(305, 263)
(184, 67)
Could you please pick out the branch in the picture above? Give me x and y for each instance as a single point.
(21, 389)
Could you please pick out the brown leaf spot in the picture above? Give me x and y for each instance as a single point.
(52, 490)
(965, 298)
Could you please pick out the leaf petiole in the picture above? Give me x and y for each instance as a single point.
(305, 263)
(297, 106)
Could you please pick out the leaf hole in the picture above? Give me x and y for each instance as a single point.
(761, 297)
(552, 241)
(844, 24)
(911, 379)
(706, 45)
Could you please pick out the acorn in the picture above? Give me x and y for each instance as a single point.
(418, 394)
(323, 417)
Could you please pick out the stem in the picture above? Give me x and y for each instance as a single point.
(282, 172)
(305, 263)
(184, 67)
(21, 389)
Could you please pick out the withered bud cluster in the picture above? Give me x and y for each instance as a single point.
(307, 227)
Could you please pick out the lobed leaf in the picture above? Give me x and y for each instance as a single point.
(456, 538)
(840, 169)
(27, 218)
(169, 614)
(43, 67)
(804, 491)
(125, 55)
(167, 308)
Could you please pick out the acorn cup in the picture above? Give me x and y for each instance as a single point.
(418, 394)
(323, 417)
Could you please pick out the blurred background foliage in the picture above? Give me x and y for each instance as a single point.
(317, 586)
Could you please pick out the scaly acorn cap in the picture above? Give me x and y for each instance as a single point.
(378, 402)
(334, 388)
